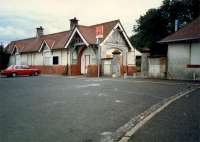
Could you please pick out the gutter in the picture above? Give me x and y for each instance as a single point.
(178, 40)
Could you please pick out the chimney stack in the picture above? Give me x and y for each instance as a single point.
(73, 23)
(39, 31)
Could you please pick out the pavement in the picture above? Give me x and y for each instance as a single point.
(179, 122)
(74, 109)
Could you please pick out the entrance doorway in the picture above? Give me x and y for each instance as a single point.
(87, 62)
(116, 63)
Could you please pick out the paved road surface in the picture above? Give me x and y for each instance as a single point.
(180, 122)
(62, 109)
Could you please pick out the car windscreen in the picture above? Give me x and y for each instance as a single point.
(10, 67)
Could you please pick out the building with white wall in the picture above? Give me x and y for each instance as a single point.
(76, 51)
(184, 52)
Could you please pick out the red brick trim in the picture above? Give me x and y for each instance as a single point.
(74, 69)
(92, 70)
(54, 69)
(193, 66)
(130, 69)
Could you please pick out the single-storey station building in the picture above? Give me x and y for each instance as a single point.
(80, 50)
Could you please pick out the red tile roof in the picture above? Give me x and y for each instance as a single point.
(89, 32)
(58, 40)
(54, 41)
(189, 32)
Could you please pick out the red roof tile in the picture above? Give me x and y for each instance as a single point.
(58, 40)
(89, 32)
(189, 32)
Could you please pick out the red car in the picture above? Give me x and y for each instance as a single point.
(15, 70)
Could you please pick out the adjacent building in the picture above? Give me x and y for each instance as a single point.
(80, 50)
(184, 52)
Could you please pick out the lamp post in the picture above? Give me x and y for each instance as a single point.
(98, 57)
(99, 35)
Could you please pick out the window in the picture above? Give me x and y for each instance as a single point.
(18, 67)
(25, 67)
(44, 47)
(195, 51)
(47, 58)
(74, 57)
(55, 60)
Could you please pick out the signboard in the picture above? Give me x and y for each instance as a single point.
(99, 31)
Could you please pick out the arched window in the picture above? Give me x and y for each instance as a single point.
(47, 57)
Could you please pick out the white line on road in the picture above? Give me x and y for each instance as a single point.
(127, 136)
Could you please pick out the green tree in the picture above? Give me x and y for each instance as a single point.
(4, 57)
(149, 29)
(156, 24)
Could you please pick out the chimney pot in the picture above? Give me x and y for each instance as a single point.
(39, 31)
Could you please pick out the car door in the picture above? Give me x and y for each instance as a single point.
(19, 70)
(26, 70)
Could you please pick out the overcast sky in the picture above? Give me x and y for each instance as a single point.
(19, 18)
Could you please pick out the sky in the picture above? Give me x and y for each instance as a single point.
(19, 18)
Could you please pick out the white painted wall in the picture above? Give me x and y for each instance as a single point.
(38, 59)
(131, 58)
(12, 60)
(116, 41)
(107, 69)
(29, 56)
(63, 57)
(24, 59)
(157, 67)
(93, 59)
(18, 59)
(59, 54)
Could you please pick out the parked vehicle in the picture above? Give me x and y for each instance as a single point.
(15, 70)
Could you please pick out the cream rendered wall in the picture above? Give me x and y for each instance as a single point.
(195, 53)
(179, 56)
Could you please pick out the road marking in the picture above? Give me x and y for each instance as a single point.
(102, 95)
(118, 101)
(142, 119)
(88, 85)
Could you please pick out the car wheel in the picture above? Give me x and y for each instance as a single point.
(14, 74)
(36, 73)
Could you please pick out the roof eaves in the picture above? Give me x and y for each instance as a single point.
(178, 40)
